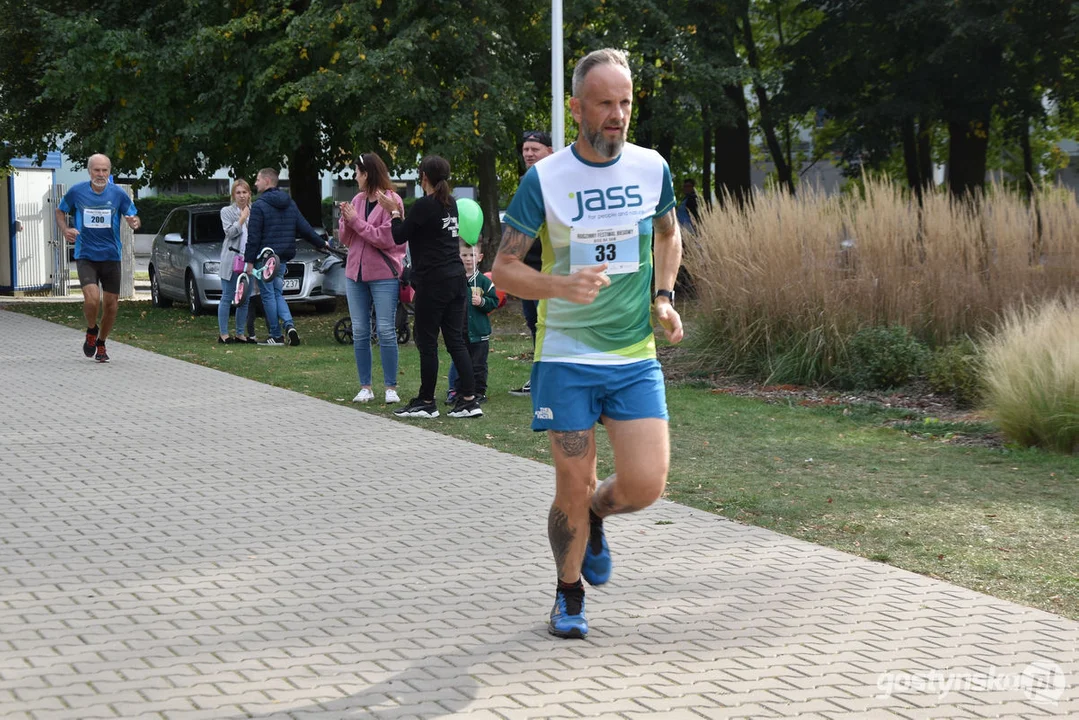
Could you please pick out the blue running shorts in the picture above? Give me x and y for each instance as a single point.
(569, 397)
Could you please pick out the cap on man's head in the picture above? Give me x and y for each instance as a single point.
(536, 136)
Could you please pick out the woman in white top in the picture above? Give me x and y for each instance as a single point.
(234, 221)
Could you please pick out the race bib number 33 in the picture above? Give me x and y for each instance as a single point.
(97, 218)
(619, 247)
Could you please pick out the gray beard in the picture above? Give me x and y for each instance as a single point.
(609, 149)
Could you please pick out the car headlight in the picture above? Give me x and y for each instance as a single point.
(210, 267)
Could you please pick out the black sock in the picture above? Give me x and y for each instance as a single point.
(574, 594)
(92, 331)
(595, 532)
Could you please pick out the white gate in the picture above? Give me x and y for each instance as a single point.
(33, 266)
(59, 250)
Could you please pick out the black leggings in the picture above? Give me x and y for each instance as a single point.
(440, 305)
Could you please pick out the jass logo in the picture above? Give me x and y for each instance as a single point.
(619, 196)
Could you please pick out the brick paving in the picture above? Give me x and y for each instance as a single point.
(150, 567)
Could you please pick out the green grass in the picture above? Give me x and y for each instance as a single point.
(884, 484)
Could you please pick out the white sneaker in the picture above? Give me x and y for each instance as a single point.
(364, 395)
(391, 396)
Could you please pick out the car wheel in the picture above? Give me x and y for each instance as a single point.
(155, 292)
(325, 306)
(193, 302)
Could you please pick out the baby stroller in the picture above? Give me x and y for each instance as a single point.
(334, 284)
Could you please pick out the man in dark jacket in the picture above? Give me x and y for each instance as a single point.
(275, 223)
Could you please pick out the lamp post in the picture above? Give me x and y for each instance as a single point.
(558, 102)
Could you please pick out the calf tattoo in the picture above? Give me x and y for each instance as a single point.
(603, 503)
(574, 444)
(560, 534)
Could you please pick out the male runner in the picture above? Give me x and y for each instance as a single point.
(97, 206)
(601, 203)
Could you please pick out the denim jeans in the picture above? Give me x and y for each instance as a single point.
(278, 317)
(228, 290)
(384, 295)
(530, 308)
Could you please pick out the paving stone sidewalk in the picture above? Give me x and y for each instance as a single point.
(159, 560)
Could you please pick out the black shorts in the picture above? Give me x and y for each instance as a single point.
(107, 272)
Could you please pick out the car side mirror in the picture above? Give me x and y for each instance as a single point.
(174, 238)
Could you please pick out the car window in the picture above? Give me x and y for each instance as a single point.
(208, 228)
(176, 223)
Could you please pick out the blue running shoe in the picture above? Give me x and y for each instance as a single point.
(596, 568)
(567, 615)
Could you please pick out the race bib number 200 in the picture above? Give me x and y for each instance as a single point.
(97, 218)
(619, 247)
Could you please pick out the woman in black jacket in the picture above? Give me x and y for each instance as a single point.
(441, 289)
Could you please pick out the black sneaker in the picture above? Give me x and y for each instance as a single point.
(418, 409)
(466, 408)
(89, 345)
(100, 355)
(293, 336)
(523, 391)
(274, 342)
(481, 398)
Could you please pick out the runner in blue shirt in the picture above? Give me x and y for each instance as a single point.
(97, 207)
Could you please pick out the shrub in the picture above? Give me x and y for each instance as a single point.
(154, 209)
(883, 357)
(1032, 375)
(956, 370)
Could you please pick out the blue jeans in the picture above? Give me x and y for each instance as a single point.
(278, 317)
(384, 295)
(228, 290)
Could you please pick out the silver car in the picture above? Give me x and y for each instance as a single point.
(184, 259)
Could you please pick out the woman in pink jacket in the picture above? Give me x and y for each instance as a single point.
(372, 271)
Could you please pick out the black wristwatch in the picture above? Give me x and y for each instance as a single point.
(669, 294)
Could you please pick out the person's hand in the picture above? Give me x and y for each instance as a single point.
(477, 296)
(244, 214)
(387, 203)
(669, 320)
(347, 211)
(133, 221)
(70, 234)
(249, 267)
(586, 283)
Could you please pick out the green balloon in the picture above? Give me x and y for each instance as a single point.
(469, 220)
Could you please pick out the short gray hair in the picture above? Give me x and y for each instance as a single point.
(606, 56)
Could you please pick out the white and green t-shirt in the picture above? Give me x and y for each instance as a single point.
(586, 214)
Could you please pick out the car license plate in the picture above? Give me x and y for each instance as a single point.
(292, 283)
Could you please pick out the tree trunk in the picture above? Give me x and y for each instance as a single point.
(768, 125)
(733, 161)
(488, 192)
(968, 142)
(1028, 157)
(910, 156)
(925, 153)
(304, 184)
(706, 157)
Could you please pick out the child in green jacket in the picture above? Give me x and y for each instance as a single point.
(478, 334)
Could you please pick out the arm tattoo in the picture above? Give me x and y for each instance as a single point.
(560, 534)
(666, 224)
(573, 444)
(515, 242)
